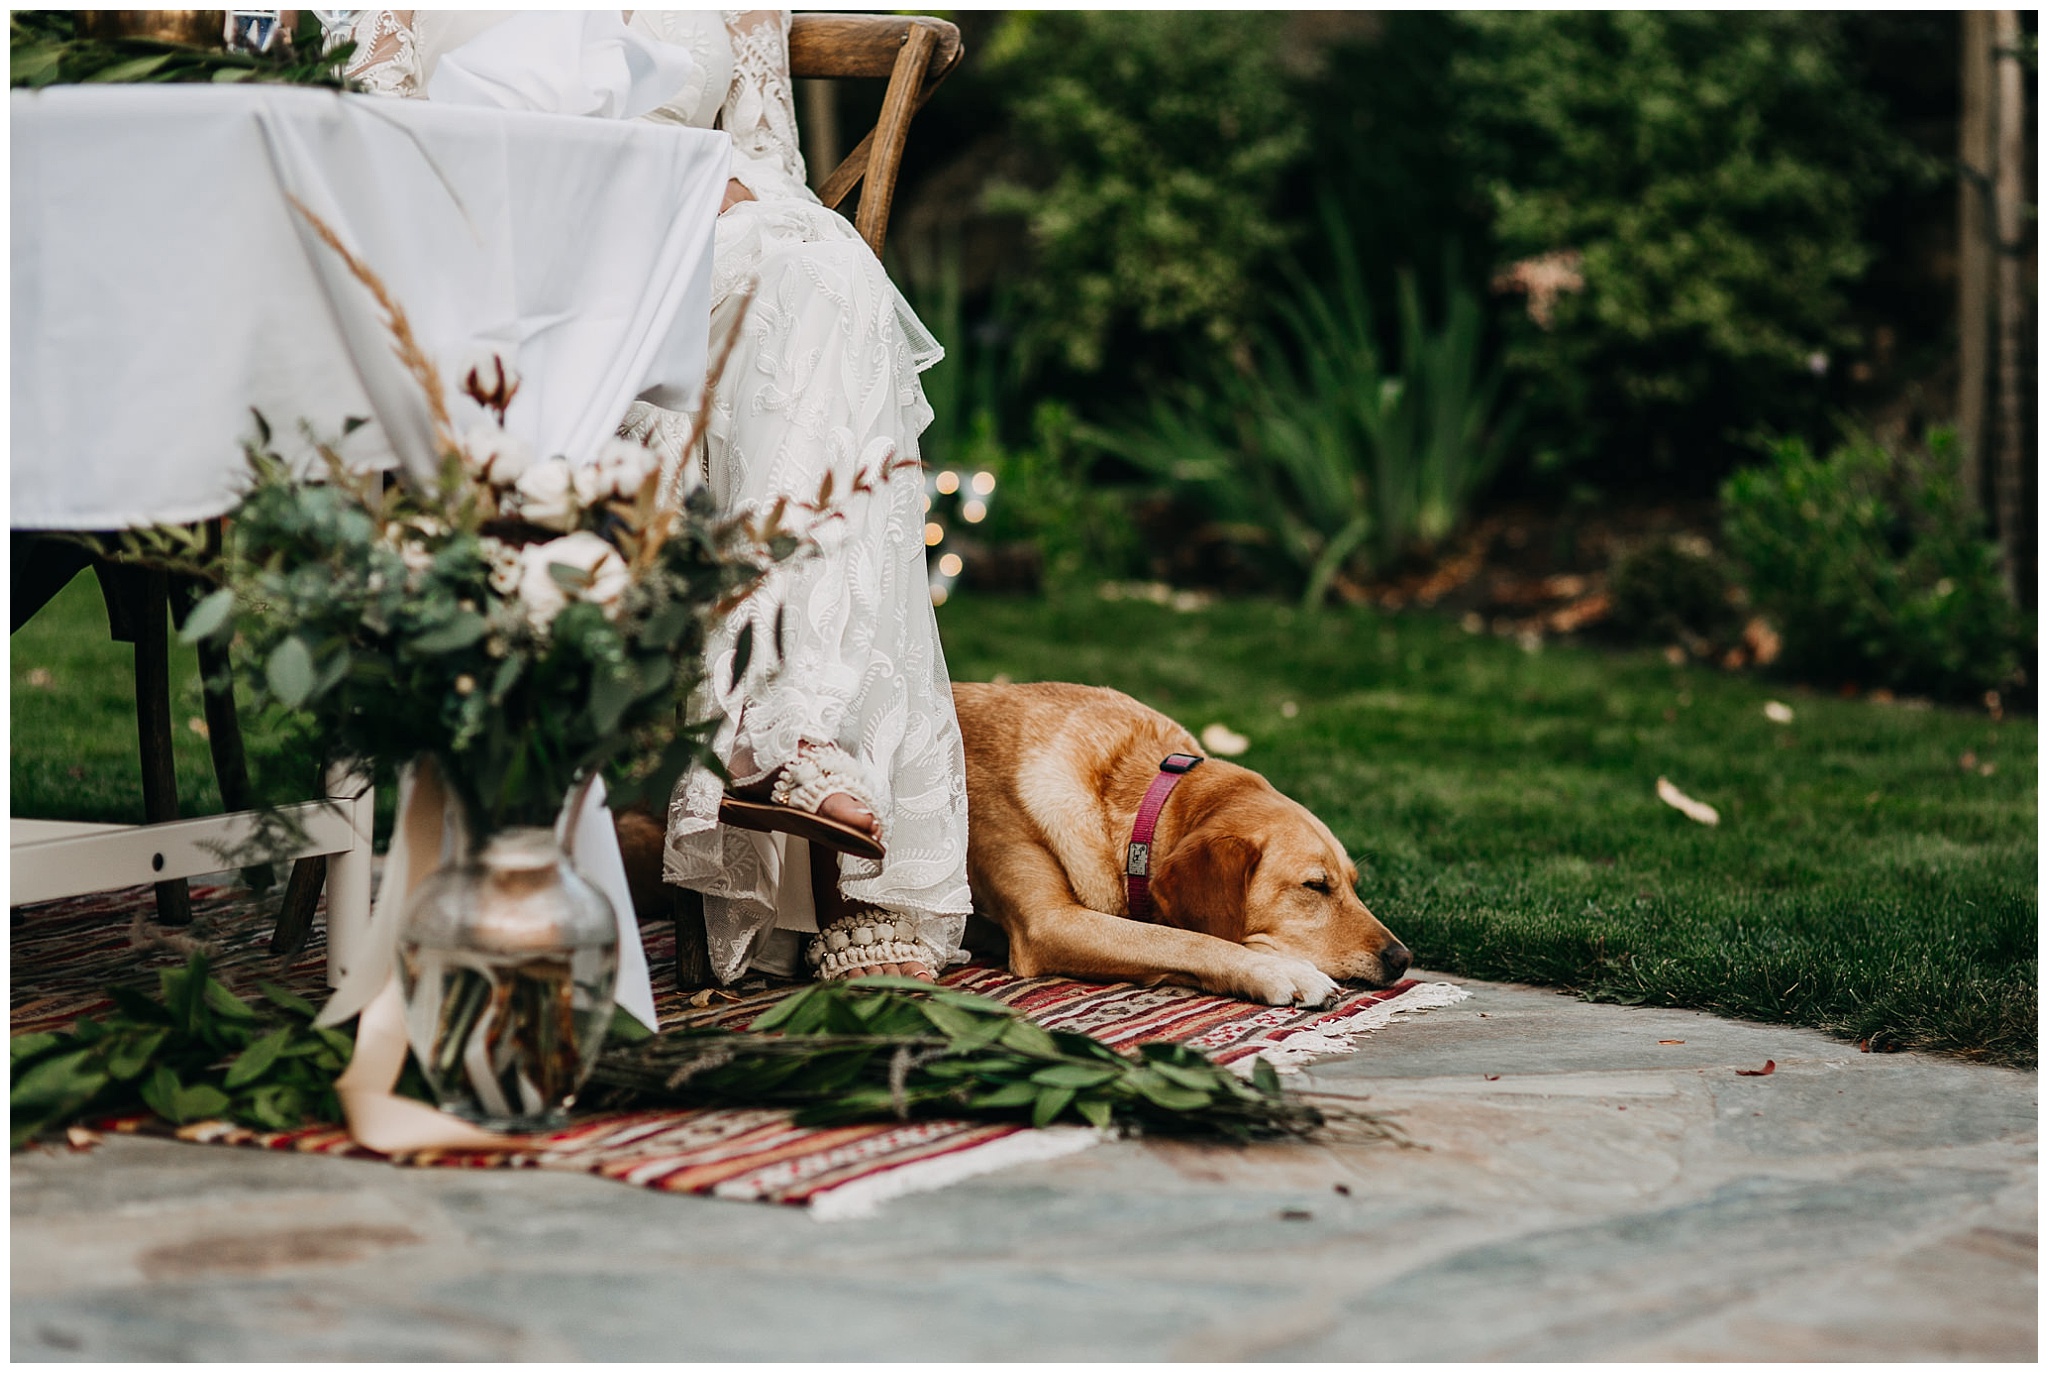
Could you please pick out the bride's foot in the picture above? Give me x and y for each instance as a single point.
(808, 784)
(868, 943)
(839, 806)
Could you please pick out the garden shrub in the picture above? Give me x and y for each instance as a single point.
(1315, 455)
(1674, 590)
(1876, 567)
(1705, 179)
(1045, 493)
(1160, 137)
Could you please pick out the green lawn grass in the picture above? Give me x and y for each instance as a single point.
(1500, 804)
(74, 753)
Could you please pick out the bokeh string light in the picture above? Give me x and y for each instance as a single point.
(952, 498)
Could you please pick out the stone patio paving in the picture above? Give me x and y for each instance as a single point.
(1584, 1192)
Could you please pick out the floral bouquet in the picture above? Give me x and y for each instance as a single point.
(526, 623)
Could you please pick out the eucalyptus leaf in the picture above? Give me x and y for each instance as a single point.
(1095, 1111)
(160, 1092)
(133, 1054)
(290, 672)
(288, 999)
(1074, 1075)
(54, 1079)
(257, 1059)
(28, 1046)
(225, 1001)
(464, 630)
(133, 70)
(609, 697)
(209, 617)
(1051, 1101)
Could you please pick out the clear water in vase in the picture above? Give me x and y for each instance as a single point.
(505, 1039)
(508, 966)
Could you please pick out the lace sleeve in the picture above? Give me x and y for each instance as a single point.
(760, 111)
(386, 59)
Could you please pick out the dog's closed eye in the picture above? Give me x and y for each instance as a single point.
(1318, 884)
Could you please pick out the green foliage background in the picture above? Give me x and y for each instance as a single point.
(1160, 138)
(1714, 170)
(1721, 174)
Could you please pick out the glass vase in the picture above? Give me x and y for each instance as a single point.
(507, 964)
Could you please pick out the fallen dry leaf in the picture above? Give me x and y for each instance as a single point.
(1770, 1066)
(1223, 741)
(1493, 1077)
(1685, 805)
(81, 1138)
(1671, 1041)
(1580, 613)
(1777, 712)
(1763, 642)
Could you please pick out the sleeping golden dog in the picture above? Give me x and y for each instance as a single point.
(1251, 895)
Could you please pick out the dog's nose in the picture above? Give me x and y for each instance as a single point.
(1394, 960)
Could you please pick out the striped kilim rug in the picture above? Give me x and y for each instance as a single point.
(65, 952)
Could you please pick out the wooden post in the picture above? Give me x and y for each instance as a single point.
(820, 119)
(1976, 275)
(2014, 531)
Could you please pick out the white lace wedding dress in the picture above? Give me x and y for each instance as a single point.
(824, 377)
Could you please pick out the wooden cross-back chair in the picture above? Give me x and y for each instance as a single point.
(915, 53)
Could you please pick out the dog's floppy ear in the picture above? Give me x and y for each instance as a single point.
(1202, 884)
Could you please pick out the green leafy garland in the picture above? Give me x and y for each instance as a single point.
(46, 49)
(200, 1053)
(890, 1047)
(834, 1053)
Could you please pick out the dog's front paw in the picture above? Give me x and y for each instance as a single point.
(1282, 981)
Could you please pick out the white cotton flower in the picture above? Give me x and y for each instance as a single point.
(547, 494)
(496, 456)
(488, 377)
(505, 568)
(618, 472)
(604, 575)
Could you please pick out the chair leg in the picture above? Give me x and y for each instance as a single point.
(693, 948)
(148, 595)
(224, 742)
(301, 899)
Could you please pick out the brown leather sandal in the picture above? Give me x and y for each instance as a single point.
(818, 772)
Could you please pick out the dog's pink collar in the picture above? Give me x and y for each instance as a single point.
(1138, 856)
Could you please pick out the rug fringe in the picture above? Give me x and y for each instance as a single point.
(863, 1196)
(1337, 1037)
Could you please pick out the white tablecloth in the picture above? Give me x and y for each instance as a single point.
(162, 286)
